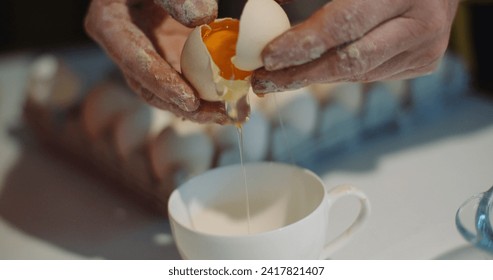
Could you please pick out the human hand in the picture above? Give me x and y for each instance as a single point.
(358, 41)
(145, 42)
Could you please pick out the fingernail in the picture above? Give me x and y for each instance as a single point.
(191, 12)
(186, 101)
(261, 87)
(199, 12)
(187, 104)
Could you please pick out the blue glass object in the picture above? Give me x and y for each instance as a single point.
(483, 235)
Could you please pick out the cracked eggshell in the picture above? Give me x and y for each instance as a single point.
(261, 21)
(198, 67)
(200, 70)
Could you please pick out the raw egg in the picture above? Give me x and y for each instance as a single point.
(218, 58)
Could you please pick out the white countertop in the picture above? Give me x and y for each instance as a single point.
(415, 180)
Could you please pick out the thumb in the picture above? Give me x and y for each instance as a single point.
(190, 13)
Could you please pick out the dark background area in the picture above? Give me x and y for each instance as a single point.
(54, 24)
(481, 17)
(42, 24)
(39, 25)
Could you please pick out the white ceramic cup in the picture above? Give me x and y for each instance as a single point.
(288, 208)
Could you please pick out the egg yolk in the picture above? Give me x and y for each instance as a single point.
(220, 39)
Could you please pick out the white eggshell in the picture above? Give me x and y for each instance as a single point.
(191, 153)
(44, 67)
(53, 84)
(261, 21)
(204, 75)
(198, 67)
(134, 129)
(159, 121)
(103, 105)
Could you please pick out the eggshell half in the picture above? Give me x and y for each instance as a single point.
(197, 66)
(261, 21)
(204, 75)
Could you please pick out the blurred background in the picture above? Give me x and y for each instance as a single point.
(36, 25)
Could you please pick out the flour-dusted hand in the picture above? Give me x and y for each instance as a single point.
(360, 41)
(146, 42)
(190, 13)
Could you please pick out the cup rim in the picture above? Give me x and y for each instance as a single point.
(258, 234)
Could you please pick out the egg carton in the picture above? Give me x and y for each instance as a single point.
(108, 131)
(351, 114)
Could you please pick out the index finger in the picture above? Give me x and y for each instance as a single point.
(132, 50)
(335, 24)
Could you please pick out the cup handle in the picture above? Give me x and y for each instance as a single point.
(334, 195)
